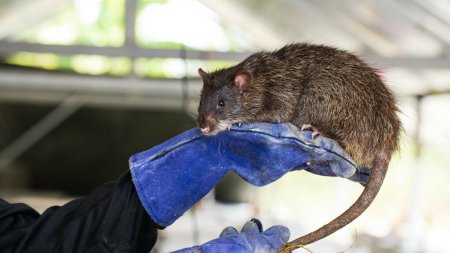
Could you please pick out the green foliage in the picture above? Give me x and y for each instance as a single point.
(109, 28)
(143, 3)
(67, 28)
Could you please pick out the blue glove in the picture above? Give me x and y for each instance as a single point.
(173, 176)
(251, 239)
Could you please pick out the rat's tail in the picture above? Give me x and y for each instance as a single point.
(376, 178)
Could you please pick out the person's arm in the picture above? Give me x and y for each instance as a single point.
(110, 219)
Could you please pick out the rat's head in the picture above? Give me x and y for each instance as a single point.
(221, 102)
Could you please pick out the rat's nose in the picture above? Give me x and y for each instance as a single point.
(205, 130)
(208, 125)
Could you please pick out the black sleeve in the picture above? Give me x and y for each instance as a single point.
(110, 219)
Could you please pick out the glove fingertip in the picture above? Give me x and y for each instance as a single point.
(278, 231)
(228, 231)
(250, 226)
(258, 223)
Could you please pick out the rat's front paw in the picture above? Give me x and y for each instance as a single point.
(310, 127)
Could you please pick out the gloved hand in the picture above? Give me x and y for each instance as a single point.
(251, 239)
(173, 176)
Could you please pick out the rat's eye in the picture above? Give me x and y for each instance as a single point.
(221, 103)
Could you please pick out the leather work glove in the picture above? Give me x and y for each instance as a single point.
(251, 239)
(173, 176)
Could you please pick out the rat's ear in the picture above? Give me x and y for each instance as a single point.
(203, 74)
(243, 80)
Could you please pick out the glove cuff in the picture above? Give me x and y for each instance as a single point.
(170, 178)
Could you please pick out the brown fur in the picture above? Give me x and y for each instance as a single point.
(331, 89)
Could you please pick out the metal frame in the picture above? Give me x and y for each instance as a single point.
(128, 50)
(51, 88)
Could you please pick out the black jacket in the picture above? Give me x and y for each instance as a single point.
(110, 219)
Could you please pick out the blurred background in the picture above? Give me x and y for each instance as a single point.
(84, 84)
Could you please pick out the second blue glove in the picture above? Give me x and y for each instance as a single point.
(251, 239)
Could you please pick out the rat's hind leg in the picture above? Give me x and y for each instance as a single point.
(310, 127)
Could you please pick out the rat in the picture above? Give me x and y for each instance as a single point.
(323, 89)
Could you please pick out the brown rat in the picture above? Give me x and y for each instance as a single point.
(311, 86)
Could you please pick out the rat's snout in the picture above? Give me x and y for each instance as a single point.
(206, 129)
(208, 124)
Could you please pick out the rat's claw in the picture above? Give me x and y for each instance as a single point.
(312, 128)
(306, 127)
(315, 133)
(229, 126)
